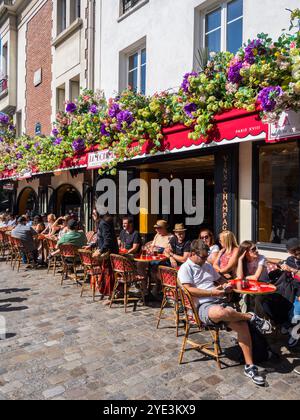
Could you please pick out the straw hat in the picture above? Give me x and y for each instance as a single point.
(180, 228)
(161, 224)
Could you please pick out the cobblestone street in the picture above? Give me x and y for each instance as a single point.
(59, 346)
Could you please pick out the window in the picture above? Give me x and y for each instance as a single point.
(61, 15)
(126, 5)
(137, 71)
(60, 98)
(224, 27)
(278, 192)
(75, 10)
(74, 88)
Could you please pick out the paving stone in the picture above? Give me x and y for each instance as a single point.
(53, 392)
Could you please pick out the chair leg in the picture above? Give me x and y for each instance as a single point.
(176, 307)
(217, 348)
(125, 296)
(114, 292)
(187, 331)
(163, 304)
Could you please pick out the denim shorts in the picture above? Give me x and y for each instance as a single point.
(204, 310)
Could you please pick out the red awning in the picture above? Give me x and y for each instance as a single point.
(230, 126)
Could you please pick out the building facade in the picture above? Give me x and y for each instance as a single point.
(251, 187)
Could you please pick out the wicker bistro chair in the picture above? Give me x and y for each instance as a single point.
(53, 262)
(93, 267)
(11, 255)
(212, 348)
(91, 236)
(4, 246)
(19, 252)
(125, 272)
(70, 257)
(171, 295)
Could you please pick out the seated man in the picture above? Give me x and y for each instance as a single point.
(26, 234)
(129, 238)
(72, 237)
(179, 249)
(209, 290)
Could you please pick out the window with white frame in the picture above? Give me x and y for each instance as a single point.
(223, 27)
(67, 12)
(137, 65)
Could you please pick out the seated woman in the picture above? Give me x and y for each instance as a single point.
(52, 227)
(207, 237)
(227, 259)
(180, 247)
(38, 224)
(251, 266)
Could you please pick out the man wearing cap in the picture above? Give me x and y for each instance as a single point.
(162, 238)
(26, 234)
(73, 236)
(180, 248)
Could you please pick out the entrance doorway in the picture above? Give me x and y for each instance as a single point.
(201, 168)
(28, 202)
(68, 200)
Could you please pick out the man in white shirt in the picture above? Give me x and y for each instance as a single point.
(209, 290)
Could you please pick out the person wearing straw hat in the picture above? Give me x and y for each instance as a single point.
(180, 248)
(162, 237)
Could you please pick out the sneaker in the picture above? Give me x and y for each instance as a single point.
(263, 326)
(292, 342)
(252, 372)
(297, 370)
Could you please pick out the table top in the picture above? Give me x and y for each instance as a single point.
(148, 259)
(255, 287)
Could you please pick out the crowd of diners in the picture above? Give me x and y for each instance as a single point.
(205, 265)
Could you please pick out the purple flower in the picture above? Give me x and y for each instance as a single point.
(189, 109)
(186, 83)
(114, 110)
(267, 97)
(1, 139)
(234, 75)
(55, 132)
(8, 150)
(93, 109)
(19, 156)
(11, 127)
(78, 145)
(103, 130)
(253, 49)
(36, 145)
(124, 117)
(57, 141)
(27, 146)
(71, 108)
(4, 119)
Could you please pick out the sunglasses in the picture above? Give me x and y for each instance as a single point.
(203, 258)
(204, 237)
(254, 249)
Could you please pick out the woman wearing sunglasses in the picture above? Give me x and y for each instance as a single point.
(251, 266)
(208, 238)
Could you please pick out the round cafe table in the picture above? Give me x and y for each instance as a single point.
(149, 259)
(255, 288)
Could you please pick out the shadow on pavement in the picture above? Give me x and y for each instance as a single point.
(14, 290)
(9, 308)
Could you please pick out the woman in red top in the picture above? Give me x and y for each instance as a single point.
(227, 259)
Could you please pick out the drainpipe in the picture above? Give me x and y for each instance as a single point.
(91, 45)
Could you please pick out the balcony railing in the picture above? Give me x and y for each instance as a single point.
(3, 84)
(128, 4)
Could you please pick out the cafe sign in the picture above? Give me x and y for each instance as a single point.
(287, 127)
(97, 159)
(8, 187)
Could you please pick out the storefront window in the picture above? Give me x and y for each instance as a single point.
(279, 198)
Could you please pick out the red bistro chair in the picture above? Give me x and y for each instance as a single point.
(70, 257)
(93, 267)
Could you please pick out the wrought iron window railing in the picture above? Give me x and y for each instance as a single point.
(128, 4)
(3, 84)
